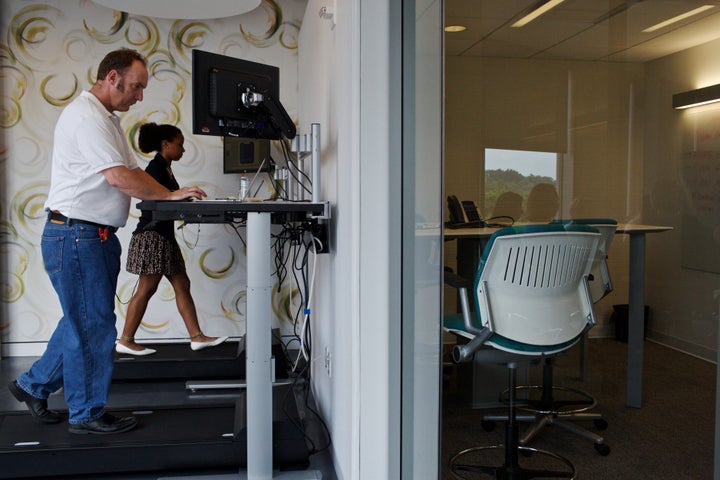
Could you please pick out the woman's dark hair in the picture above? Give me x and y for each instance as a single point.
(119, 60)
(152, 135)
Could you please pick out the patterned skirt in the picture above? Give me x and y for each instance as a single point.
(150, 254)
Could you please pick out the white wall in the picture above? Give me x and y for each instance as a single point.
(683, 283)
(358, 316)
(325, 67)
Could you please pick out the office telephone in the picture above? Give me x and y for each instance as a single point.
(463, 214)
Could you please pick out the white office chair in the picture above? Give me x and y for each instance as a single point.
(548, 403)
(532, 300)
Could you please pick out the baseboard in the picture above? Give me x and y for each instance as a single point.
(695, 350)
(24, 349)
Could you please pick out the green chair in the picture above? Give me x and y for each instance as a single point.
(551, 404)
(532, 300)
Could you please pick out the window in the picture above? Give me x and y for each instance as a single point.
(515, 171)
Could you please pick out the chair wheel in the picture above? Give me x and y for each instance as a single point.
(600, 424)
(487, 425)
(602, 449)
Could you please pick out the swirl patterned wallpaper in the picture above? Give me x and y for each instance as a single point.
(50, 52)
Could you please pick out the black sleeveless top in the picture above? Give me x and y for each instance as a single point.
(158, 169)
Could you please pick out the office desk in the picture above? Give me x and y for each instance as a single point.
(468, 253)
(259, 312)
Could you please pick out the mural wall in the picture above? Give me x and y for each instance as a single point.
(50, 51)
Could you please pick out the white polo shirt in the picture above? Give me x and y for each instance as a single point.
(88, 139)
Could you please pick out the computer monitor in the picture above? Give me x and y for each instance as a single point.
(246, 155)
(232, 97)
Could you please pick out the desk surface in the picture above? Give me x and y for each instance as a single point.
(179, 207)
(626, 228)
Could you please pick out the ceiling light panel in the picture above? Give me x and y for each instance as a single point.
(704, 30)
(602, 30)
(536, 12)
(652, 13)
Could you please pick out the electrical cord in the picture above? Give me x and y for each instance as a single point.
(292, 248)
(181, 227)
(493, 221)
(305, 345)
(132, 293)
(289, 161)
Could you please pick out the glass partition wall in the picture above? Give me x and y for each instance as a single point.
(421, 237)
(585, 86)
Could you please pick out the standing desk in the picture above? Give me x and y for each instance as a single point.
(468, 257)
(259, 217)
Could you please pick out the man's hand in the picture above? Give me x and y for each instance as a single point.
(188, 192)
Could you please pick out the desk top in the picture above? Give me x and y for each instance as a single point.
(220, 211)
(637, 228)
(624, 228)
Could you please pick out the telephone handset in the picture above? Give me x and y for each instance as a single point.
(471, 211)
(463, 214)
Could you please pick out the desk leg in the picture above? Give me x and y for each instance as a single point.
(636, 320)
(257, 348)
(469, 251)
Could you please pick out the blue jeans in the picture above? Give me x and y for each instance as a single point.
(83, 270)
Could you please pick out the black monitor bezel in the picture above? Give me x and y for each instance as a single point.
(221, 76)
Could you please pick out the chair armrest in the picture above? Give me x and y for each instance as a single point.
(464, 353)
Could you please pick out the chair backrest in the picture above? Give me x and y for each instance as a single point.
(600, 281)
(532, 287)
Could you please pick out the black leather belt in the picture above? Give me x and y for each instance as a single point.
(60, 218)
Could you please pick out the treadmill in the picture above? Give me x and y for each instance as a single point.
(206, 432)
(178, 361)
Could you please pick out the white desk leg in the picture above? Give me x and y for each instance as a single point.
(636, 320)
(257, 348)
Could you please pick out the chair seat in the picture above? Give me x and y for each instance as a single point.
(455, 323)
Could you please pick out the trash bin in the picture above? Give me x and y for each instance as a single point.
(620, 316)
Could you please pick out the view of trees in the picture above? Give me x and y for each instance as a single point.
(499, 181)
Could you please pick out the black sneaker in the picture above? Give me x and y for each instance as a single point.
(105, 425)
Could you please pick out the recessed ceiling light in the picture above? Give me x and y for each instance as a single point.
(683, 16)
(455, 28)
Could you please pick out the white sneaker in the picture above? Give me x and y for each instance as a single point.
(120, 348)
(212, 343)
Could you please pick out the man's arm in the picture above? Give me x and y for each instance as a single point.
(138, 184)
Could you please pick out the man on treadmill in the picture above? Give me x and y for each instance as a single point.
(94, 175)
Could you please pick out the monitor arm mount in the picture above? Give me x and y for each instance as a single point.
(278, 116)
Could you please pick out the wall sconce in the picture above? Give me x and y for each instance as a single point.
(694, 98)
